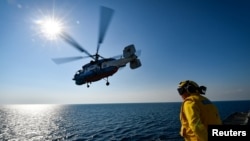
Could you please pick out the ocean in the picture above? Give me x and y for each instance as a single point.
(99, 122)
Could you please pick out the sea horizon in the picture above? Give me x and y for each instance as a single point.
(112, 103)
(154, 121)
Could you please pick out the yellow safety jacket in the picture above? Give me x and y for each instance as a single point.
(197, 112)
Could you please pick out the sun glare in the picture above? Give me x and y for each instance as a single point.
(33, 109)
(51, 28)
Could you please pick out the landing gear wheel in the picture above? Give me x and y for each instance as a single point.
(107, 83)
(87, 85)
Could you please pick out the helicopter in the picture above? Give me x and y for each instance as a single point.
(100, 67)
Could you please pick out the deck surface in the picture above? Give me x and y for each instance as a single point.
(238, 118)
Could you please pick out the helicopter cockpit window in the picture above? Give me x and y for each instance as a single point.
(92, 67)
(79, 71)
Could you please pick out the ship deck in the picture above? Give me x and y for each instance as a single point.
(237, 118)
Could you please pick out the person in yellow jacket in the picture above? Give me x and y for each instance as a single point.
(197, 112)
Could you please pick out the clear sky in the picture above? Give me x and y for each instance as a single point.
(204, 41)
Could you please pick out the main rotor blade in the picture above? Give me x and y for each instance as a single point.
(66, 37)
(117, 56)
(106, 16)
(67, 59)
(137, 53)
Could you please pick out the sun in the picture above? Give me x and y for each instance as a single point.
(50, 27)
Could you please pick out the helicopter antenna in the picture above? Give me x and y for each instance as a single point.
(106, 16)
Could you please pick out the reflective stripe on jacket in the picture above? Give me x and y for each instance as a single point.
(197, 112)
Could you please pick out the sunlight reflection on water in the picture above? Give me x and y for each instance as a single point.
(97, 122)
(156, 122)
(28, 122)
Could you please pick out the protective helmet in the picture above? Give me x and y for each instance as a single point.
(188, 86)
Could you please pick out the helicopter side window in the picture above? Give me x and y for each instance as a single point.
(92, 67)
(79, 71)
(104, 65)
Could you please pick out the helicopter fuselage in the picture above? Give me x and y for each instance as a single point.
(94, 71)
(103, 68)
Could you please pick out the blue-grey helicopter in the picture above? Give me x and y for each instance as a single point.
(100, 67)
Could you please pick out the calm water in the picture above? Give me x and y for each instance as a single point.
(117, 122)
